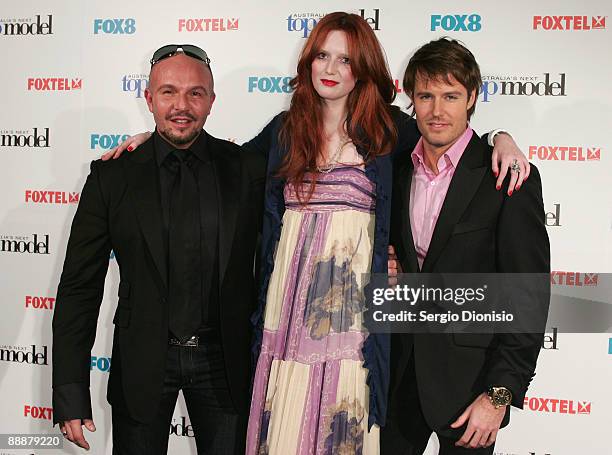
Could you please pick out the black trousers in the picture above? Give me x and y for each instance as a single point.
(199, 372)
(407, 431)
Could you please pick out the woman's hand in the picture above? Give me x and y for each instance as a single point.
(393, 265)
(130, 144)
(506, 156)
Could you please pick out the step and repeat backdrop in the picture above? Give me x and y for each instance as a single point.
(73, 81)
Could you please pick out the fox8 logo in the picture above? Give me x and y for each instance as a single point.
(456, 22)
(114, 26)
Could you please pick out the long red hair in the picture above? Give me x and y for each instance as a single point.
(369, 122)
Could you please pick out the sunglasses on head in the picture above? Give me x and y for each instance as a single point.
(171, 49)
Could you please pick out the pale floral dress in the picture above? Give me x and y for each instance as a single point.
(310, 395)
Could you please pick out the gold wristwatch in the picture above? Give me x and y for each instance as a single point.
(499, 396)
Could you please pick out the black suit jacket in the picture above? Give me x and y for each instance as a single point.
(120, 209)
(479, 230)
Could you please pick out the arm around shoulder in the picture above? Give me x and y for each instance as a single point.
(407, 131)
(262, 143)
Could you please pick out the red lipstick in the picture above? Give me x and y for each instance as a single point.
(329, 83)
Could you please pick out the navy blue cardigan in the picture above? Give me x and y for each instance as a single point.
(376, 348)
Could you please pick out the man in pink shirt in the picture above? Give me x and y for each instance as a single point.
(448, 217)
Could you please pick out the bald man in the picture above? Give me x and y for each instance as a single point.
(179, 216)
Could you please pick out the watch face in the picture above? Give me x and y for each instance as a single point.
(502, 396)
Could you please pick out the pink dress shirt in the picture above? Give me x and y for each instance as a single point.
(428, 191)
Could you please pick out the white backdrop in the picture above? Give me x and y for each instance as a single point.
(547, 72)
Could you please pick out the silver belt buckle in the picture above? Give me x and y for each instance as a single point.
(193, 341)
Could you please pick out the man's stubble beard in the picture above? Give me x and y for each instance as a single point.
(178, 140)
(436, 143)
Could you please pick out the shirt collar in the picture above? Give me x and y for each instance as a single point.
(163, 148)
(451, 156)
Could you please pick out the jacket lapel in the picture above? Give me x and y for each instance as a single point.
(143, 181)
(404, 185)
(466, 180)
(228, 172)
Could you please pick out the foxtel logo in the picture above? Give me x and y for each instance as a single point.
(558, 406)
(43, 84)
(559, 278)
(37, 412)
(218, 24)
(563, 153)
(32, 301)
(569, 22)
(398, 86)
(51, 197)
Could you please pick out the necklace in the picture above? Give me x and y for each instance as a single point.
(331, 165)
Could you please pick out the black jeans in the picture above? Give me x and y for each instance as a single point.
(199, 372)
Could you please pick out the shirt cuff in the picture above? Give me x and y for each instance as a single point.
(71, 401)
(492, 134)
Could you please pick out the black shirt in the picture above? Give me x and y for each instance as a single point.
(204, 171)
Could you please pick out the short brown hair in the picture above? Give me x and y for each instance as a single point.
(440, 58)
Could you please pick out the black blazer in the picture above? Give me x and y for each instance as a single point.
(120, 209)
(479, 229)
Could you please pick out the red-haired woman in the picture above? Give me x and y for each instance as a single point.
(326, 156)
(321, 379)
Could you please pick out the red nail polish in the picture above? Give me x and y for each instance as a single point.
(496, 173)
(129, 149)
(510, 193)
(518, 187)
(498, 187)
